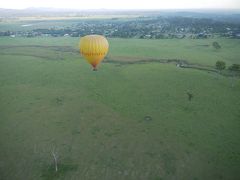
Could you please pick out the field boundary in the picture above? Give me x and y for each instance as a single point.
(181, 63)
(119, 60)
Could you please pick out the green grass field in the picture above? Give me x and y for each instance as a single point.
(125, 121)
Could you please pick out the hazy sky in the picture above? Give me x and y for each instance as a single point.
(121, 4)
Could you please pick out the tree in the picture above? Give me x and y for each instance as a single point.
(190, 95)
(234, 67)
(216, 45)
(220, 65)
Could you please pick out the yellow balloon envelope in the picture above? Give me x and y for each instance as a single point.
(94, 48)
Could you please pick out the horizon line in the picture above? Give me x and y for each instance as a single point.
(121, 9)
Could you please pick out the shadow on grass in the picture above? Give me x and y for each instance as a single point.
(49, 172)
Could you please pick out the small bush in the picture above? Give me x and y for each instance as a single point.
(234, 67)
(220, 65)
(216, 45)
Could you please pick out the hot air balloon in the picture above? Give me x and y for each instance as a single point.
(94, 48)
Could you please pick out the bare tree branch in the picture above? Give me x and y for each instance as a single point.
(55, 159)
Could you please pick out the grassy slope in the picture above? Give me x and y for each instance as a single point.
(192, 50)
(96, 119)
(195, 51)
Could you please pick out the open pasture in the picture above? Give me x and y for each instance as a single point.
(128, 120)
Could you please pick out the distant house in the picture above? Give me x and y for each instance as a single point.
(147, 36)
(203, 35)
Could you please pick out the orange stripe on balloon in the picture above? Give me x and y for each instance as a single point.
(93, 54)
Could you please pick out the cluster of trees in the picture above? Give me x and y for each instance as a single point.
(6, 33)
(221, 65)
(233, 70)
